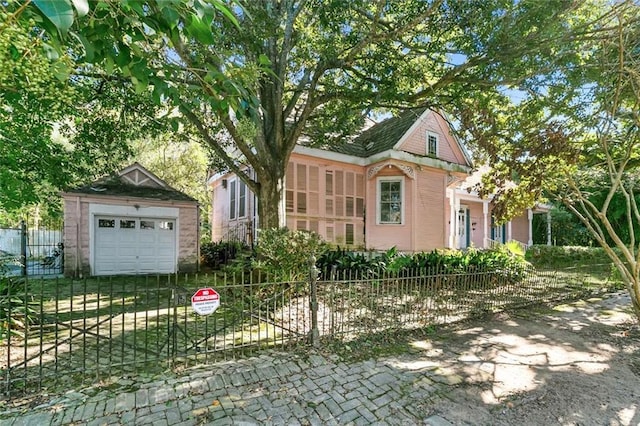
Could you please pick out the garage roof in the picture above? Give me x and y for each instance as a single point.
(133, 181)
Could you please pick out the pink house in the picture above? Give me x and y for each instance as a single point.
(400, 183)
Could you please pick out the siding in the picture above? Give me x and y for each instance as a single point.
(430, 207)
(448, 149)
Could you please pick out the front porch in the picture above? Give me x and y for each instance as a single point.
(471, 224)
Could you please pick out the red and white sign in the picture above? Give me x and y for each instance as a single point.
(205, 301)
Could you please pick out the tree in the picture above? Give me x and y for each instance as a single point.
(182, 164)
(578, 143)
(58, 130)
(270, 72)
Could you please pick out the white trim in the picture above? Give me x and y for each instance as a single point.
(443, 116)
(381, 179)
(412, 129)
(132, 211)
(330, 155)
(382, 156)
(144, 171)
(428, 134)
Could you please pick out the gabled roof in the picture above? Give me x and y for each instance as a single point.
(133, 181)
(382, 136)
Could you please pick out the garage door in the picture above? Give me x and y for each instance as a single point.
(131, 245)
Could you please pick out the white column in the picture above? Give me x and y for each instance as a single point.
(485, 224)
(549, 228)
(530, 217)
(456, 216)
(452, 217)
(509, 237)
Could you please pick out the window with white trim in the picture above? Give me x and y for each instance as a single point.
(233, 199)
(432, 144)
(390, 200)
(237, 199)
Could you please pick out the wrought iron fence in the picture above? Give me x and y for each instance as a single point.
(32, 250)
(62, 333)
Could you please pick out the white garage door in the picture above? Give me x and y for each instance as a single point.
(131, 245)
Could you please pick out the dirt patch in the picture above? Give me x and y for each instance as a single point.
(578, 364)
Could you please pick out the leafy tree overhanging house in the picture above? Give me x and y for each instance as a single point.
(404, 182)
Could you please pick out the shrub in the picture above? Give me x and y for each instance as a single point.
(221, 253)
(500, 260)
(559, 256)
(16, 311)
(284, 254)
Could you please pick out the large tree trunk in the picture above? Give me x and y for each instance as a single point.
(270, 201)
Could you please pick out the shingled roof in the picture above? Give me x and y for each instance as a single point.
(380, 137)
(120, 185)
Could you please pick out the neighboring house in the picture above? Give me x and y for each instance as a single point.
(130, 223)
(400, 183)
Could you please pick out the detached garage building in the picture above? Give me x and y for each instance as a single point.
(130, 223)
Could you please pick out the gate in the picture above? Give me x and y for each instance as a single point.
(80, 331)
(32, 251)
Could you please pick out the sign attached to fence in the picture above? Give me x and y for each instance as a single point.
(205, 301)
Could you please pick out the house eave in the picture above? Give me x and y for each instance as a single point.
(419, 160)
(330, 155)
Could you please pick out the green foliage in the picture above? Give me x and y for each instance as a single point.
(500, 260)
(566, 256)
(17, 312)
(284, 254)
(306, 68)
(215, 255)
(566, 229)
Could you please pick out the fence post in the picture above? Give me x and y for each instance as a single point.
(23, 246)
(313, 280)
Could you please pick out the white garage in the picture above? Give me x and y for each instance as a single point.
(130, 223)
(134, 245)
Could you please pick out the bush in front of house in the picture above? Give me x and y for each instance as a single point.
(284, 254)
(217, 254)
(500, 260)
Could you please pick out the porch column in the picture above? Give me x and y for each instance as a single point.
(452, 217)
(485, 224)
(509, 238)
(548, 228)
(530, 217)
(456, 229)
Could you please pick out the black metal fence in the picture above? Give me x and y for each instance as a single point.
(62, 333)
(32, 250)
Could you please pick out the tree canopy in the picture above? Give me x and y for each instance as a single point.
(576, 140)
(58, 127)
(252, 79)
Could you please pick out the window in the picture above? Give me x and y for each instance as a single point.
(106, 223)
(432, 144)
(242, 199)
(232, 199)
(127, 224)
(165, 226)
(390, 200)
(349, 234)
(147, 224)
(237, 199)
